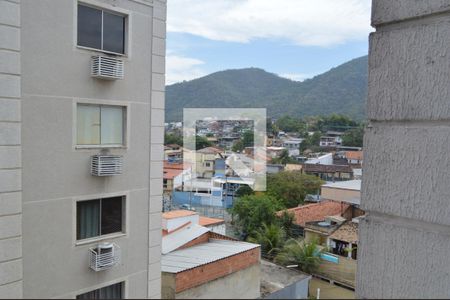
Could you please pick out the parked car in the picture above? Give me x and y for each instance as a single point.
(187, 207)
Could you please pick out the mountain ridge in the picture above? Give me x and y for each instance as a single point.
(342, 90)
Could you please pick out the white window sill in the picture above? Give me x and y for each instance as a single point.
(97, 239)
(83, 48)
(101, 147)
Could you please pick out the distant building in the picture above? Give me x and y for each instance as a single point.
(354, 157)
(292, 145)
(331, 139)
(329, 172)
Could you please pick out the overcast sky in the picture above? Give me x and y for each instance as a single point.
(297, 39)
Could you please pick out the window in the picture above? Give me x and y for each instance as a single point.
(99, 217)
(100, 29)
(100, 124)
(114, 291)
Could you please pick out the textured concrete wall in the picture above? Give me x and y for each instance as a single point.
(244, 284)
(404, 239)
(10, 152)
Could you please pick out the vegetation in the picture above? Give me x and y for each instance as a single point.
(305, 255)
(270, 237)
(341, 90)
(244, 190)
(171, 138)
(284, 158)
(252, 211)
(354, 137)
(286, 221)
(291, 187)
(245, 141)
(201, 142)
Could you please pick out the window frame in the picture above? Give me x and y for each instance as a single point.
(125, 124)
(109, 9)
(96, 239)
(123, 281)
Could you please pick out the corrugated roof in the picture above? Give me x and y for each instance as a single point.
(202, 254)
(181, 237)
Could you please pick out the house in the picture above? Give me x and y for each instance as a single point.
(331, 139)
(354, 157)
(345, 191)
(274, 168)
(82, 103)
(292, 145)
(205, 160)
(274, 152)
(173, 153)
(320, 158)
(199, 263)
(316, 212)
(329, 172)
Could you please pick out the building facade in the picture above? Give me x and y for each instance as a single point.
(404, 239)
(79, 79)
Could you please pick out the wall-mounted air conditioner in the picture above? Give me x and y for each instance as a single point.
(104, 256)
(105, 67)
(106, 165)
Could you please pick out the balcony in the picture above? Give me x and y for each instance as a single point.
(104, 256)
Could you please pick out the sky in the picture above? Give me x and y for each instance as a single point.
(296, 39)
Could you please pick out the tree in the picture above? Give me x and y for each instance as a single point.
(291, 187)
(286, 221)
(244, 190)
(290, 124)
(201, 142)
(270, 237)
(238, 146)
(353, 137)
(311, 142)
(305, 255)
(171, 138)
(247, 138)
(284, 158)
(252, 211)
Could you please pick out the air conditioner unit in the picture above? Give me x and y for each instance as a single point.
(104, 256)
(105, 67)
(106, 165)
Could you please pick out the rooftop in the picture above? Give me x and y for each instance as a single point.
(319, 168)
(316, 211)
(178, 214)
(171, 173)
(275, 277)
(206, 221)
(358, 155)
(202, 254)
(346, 185)
(211, 150)
(348, 232)
(181, 237)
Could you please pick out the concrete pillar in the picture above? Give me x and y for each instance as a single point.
(156, 147)
(404, 240)
(10, 152)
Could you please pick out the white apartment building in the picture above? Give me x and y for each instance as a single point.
(81, 148)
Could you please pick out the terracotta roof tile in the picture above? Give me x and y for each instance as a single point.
(348, 232)
(357, 155)
(316, 211)
(205, 221)
(178, 214)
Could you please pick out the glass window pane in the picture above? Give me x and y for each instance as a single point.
(88, 219)
(112, 125)
(111, 215)
(108, 292)
(88, 125)
(89, 27)
(113, 33)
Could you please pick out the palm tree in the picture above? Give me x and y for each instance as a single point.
(305, 255)
(270, 237)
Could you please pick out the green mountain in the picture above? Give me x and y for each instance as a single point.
(341, 90)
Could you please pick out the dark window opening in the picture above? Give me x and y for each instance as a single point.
(99, 217)
(100, 29)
